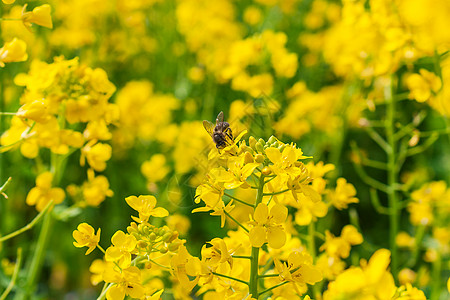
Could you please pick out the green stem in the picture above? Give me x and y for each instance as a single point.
(104, 290)
(312, 251)
(392, 173)
(242, 256)
(274, 287)
(311, 239)
(253, 287)
(236, 221)
(420, 232)
(38, 256)
(238, 200)
(229, 277)
(29, 225)
(268, 275)
(14, 276)
(436, 278)
(276, 193)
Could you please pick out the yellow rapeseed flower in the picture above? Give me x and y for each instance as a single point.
(85, 236)
(120, 251)
(268, 226)
(145, 205)
(13, 51)
(43, 192)
(39, 16)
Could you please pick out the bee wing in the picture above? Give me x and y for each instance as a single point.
(209, 127)
(219, 118)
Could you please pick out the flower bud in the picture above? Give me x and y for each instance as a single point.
(173, 237)
(266, 171)
(259, 147)
(152, 236)
(142, 244)
(259, 158)
(163, 250)
(248, 158)
(272, 139)
(252, 142)
(175, 245)
(166, 236)
(146, 230)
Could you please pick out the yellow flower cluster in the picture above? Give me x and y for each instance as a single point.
(135, 256)
(64, 108)
(227, 54)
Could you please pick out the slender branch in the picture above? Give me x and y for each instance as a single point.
(229, 277)
(378, 139)
(4, 186)
(3, 113)
(376, 203)
(10, 19)
(237, 199)
(369, 180)
(104, 290)
(276, 193)
(236, 221)
(158, 264)
(242, 256)
(101, 249)
(268, 275)
(29, 225)
(274, 287)
(14, 276)
(416, 150)
(373, 163)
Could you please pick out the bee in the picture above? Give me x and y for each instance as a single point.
(221, 133)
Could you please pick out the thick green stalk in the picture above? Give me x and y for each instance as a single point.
(392, 174)
(38, 257)
(253, 286)
(436, 269)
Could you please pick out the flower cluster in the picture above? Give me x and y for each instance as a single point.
(135, 256)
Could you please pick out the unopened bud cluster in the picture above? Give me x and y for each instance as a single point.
(153, 239)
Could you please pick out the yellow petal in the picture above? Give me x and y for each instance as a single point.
(273, 154)
(116, 292)
(279, 213)
(261, 213)
(257, 236)
(276, 237)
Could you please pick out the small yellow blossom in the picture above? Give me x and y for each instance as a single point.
(8, 1)
(145, 205)
(43, 193)
(183, 265)
(406, 276)
(404, 240)
(423, 85)
(96, 155)
(120, 251)
(298, 269)
(13, 51)
(39, 16)
(127, 282)
(340, 246)
(343, 195)
(155, 169)
(96, 189)
(85, 237)
(268, 226)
